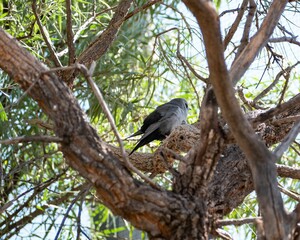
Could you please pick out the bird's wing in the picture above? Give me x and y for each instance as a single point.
(152, 118)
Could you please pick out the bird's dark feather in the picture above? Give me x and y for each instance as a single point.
(158, 124)
(150, 119)
(155, 135)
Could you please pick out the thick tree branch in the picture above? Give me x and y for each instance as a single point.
(286, 171)
(160, 213)
(284, 107)
(261, 161)
(97, 48)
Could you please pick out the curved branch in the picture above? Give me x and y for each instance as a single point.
(261, 161)
(159, 212)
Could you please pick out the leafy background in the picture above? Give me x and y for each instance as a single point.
(40, 196)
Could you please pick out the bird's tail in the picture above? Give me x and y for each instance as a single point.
(143, 141)
(139, 132)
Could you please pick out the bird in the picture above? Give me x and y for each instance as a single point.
(160, 123)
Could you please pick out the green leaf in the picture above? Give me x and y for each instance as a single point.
(3, 116)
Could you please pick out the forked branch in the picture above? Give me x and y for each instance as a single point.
(261, 161)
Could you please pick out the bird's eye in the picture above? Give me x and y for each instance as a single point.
(186, 105)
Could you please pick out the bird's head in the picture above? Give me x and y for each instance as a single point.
(181, 102)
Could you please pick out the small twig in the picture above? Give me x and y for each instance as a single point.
(248, 103)
(264, 71)
(185, 64)
(181, 15)
(287, 192)
(155, 43)
(295, 150)
(174, 155)
(39, 188)
(184, 60)
(236, 22)
(26, 163)
(40, 123)
(139, 9)
(79, 213)
(90, 20)
(88, 75)
(283, 29)
(229, 11)
(84, 26)
(221, 233)
(285, 144)
(276, 56)
(69, 209)
(247, 27)
(287, 78)
(70, 35)
(285, 39)
(29, 35)
(237, 222)
(46, 37)
(44, 138)
(22, 96)
(283, 72)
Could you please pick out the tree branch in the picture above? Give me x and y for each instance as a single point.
(158, 212)
(261, 161)
(285, 39)
(88, 74)
(286, 171)
(285, 144)
(235, 24)
(247, 27)
(70, 35)
(97, 48)
(294, 102)
(258, 41)
(45, 35)
(17, 140)
(236, 222)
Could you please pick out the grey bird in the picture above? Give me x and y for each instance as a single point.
(159, 124)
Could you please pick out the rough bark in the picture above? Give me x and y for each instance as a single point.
(161, 213)
(261, 161)
(182, 213)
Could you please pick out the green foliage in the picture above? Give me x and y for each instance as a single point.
(141, 69)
